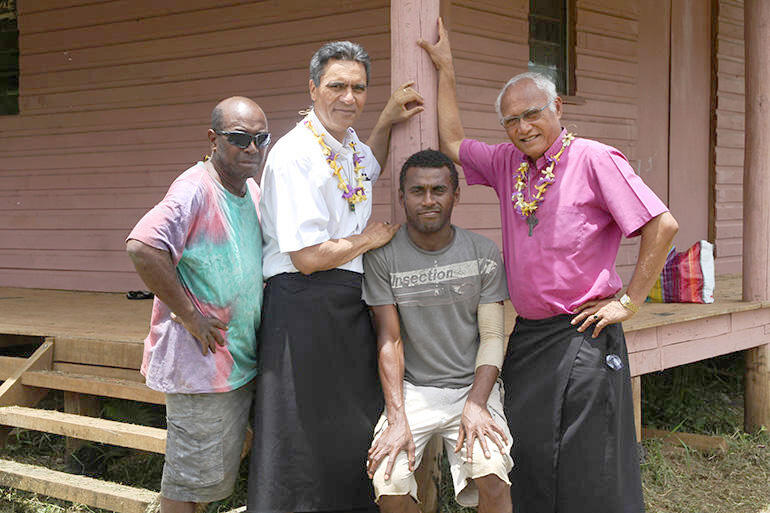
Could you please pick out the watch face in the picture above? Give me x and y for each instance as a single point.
(626, 302)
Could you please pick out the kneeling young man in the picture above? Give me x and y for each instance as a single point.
(436, 291)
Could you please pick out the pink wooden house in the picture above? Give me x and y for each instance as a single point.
(114, 98)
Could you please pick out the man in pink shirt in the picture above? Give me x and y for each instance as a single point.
(565, 203)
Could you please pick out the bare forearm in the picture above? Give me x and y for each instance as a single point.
(379, 140)
(336, 252)
(390, 357)
(656, 241)
(330, 254)
(483, 382)
(391, 369)
(450, 128)
(157, 271)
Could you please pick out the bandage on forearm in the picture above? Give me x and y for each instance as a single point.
(491, 317)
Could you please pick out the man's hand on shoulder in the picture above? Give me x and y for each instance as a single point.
(380, 233)
(397, 437)
(207, 330)
(477, 424)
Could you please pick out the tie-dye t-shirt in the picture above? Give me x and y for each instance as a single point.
(215, 241)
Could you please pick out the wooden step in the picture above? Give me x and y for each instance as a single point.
(85, 428)
(706, 443)
(79, 489)
(94, 385)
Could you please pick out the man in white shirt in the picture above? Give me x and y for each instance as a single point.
(318, 396)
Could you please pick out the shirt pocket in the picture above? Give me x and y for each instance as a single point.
(198, 458)
(567, 233)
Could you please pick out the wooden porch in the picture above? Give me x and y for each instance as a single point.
(662, 336)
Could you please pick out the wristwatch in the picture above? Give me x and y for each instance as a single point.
(628, 304)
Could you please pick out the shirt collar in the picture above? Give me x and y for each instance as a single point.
(334, 144)
(553, 150)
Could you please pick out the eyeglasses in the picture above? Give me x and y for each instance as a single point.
(243, 139)
(530, 116)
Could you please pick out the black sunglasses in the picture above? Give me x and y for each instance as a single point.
(243, 139)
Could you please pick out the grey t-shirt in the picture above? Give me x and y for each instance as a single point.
(437, 294)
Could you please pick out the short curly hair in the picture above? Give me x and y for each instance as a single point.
(429, 158)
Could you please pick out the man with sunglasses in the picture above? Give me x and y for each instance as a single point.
(200, 251)
(317, 396)
(565, 204)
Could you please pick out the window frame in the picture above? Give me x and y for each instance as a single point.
(568, 51)
(9, 97)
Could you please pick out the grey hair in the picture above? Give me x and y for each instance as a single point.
(339, 50)
(542, 82)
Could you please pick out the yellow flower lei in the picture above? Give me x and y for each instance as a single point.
(355, 195)
(527, 208)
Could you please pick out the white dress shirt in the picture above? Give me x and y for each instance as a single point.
(301, 202)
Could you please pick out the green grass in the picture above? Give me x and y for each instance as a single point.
(705, 397)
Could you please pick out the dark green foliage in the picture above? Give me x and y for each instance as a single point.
(704, 397)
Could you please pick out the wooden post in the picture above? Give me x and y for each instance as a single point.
(428, 475)
(756, 202)
(79, 404)
(411, 20)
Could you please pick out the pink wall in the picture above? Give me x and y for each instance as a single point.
(115, 101)
(689, 120)
(489, 43)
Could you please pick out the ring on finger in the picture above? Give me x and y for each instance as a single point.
(596, 317)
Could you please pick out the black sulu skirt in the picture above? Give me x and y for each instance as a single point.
(317, 396)
(569, 406)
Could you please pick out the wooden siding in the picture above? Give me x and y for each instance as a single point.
(729, 137)
(116, 94)
(489, 40)
(115, 102)
(489, 44)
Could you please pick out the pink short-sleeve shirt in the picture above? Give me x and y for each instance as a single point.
(570, 257)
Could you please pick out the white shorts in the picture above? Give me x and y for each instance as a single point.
(438, 411)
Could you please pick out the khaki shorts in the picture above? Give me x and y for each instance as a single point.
(203, 444)
(438, 411)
